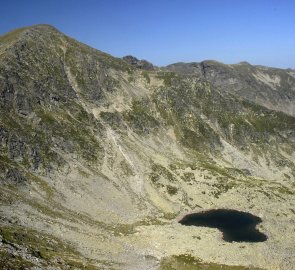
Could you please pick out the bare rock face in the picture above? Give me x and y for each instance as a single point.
(99, 156)
(141, 64)
(14, 176)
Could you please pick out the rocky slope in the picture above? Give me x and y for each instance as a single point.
(100, 157)
(272, 88)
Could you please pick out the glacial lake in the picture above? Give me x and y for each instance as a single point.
(236, 226)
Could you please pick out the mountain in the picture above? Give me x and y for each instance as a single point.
(100, 158)
(140, 64)
(272, 88)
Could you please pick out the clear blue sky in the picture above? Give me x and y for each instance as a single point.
(167, 31)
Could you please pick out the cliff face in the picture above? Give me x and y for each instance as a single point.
(99, 156)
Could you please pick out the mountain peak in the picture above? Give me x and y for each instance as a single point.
(244, 63)
(34, 32)
(141, 64)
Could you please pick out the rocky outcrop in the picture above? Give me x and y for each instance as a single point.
(141, 64)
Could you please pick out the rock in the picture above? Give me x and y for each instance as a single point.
(16, 148)
(141, 64)
(3, 137)
(14, 176)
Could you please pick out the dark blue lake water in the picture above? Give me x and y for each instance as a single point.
(235, 225)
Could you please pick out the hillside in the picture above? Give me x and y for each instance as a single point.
(100, 158)
(272, 88)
